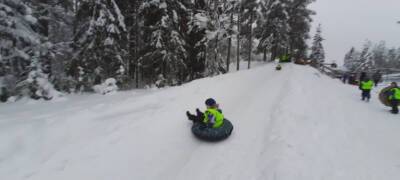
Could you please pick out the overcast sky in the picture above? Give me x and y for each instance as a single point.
(347, 23)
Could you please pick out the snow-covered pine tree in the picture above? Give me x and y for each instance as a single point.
(231, 7)
(100, 43)
(365, 61)
(56, 26)
(165, 53)
(299, 21)
(273, 28)
(350, 58)
(23, 69)
(249, 17)
(18, 39)
(42, 10)
(317, 55)
(133, 20)
(197, 39)
(214, 58)
(378, 54)
(397, 59)
(372, 56)
(222, 27)
(392, 61)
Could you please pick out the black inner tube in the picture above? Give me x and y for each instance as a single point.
(201, 131)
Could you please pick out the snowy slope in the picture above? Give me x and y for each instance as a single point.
(292, 124)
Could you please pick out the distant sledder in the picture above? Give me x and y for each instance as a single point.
(210, 125)
(285, 58)
(278, 67)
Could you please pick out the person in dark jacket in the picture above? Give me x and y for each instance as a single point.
(345, 77)
(377, 77)
(394, 97)
(366, 87)
(352, 79)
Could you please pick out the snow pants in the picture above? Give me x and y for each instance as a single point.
(394, 103)
(366, 94)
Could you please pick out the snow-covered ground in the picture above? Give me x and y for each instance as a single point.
(295, 124)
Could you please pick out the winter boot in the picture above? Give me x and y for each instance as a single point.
(188, 114)
(198, 112)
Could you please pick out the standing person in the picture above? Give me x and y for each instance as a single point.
(366, 87)
(285, 58)
(345, 77)
(352, 79)
(394, 97)
(377, 77)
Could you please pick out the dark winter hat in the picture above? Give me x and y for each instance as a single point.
(210, 102)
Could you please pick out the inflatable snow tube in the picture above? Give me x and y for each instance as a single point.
(203, 132)
(383, 96)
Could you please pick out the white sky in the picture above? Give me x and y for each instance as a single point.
(347, 23)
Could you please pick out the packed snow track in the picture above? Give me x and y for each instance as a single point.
(294, 124)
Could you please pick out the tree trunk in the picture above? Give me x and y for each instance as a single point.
(250, 40)
(216, 49)
(136, 51)
(273, 55)
(76, 6)
(238, 39)
(265, 55)
(45, 60)
(216, 38)
(228, 58)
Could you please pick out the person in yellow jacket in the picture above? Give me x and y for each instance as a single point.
(212, 117)
(366, 86)
(394, 97)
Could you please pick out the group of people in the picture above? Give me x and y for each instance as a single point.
(351, 77)
(393, 93)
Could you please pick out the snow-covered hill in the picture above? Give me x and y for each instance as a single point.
(292, 124)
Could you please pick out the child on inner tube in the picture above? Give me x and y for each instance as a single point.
(212, 117)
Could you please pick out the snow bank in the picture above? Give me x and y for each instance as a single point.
(108, 87)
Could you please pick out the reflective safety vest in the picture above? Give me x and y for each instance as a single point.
(215, 117)
(284, 58)
(367, 85)
(395, 94)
